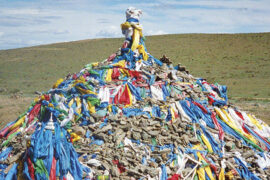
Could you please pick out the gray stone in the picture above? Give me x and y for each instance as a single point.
(145, 136)
(229, 145)
(115, 172)
(136, 135)
(153, 133)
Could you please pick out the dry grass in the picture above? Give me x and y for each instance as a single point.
(11, 108)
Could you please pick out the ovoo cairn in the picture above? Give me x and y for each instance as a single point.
(133, 116)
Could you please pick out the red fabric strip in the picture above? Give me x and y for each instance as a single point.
(221, 132)
(53, 170)
(31, 168)
(33, 113)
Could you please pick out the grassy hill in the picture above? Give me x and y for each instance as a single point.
(240, 61)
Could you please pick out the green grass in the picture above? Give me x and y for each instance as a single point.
(37, 68)
(240, 61)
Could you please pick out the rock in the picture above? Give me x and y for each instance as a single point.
(120, 138)
(248, 154)
(136, 135)
(123, 122)
(185, 138)
(79, 130)
(153, 133)
(193, 140)
(115, 172)
(36, 92)
(145, 136)
(238, 144)
(229, 146)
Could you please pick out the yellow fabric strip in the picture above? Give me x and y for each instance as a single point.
(79, 80)
(85, 91)
(109, 75)
(249, 136)
(229, 119)
(17, 124)
(207, 143)
(201, 173)
(92, 108)
(75, 137)
(221, 175)
(78, 102)
(229, 175)
(136, 39)
(226, 118)
(209, 172)
(95, 64)
(110, 108)
(142, 51)
(71, 102)
(173, 114)
(130, 97)
(121, 63)
(58, 82)
(202, 170)
(125, 25)
(206, 169)
(124, 72)
(255, 122)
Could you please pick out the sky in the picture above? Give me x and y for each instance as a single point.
(26, 23)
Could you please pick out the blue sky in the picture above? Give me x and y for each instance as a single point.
(34, 22)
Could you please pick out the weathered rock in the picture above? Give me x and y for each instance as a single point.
(229, 146)
(136, 135)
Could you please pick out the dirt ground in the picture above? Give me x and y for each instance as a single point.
(11, 107)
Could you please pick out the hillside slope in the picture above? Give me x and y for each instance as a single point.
(240, 61)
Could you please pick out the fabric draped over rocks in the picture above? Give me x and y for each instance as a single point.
(133, 115)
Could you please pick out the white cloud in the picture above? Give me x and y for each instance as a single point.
(61, 31)
(156, 32)
(23, 11)
(39, 22)
(33, 42)
(109, 31)
(229, 4)
(213, 20)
